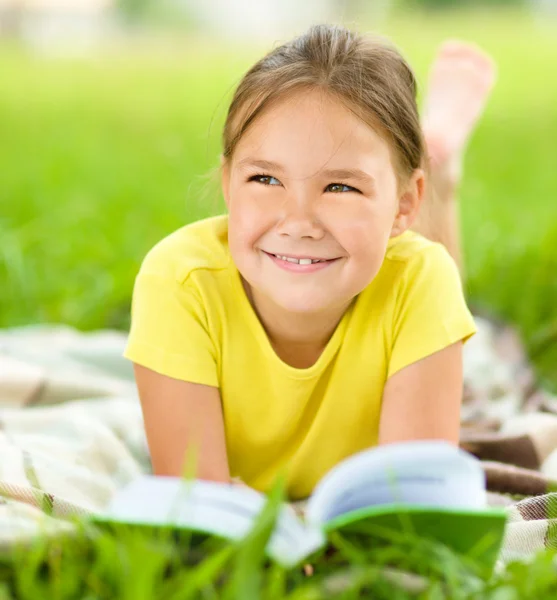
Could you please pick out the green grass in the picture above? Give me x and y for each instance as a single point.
(102, 156)
(138, 565)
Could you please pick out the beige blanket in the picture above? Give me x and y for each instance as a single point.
(71, 431)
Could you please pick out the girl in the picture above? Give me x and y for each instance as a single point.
(309, 322)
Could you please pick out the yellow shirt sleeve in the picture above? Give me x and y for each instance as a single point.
(169, 332)
(431, 312)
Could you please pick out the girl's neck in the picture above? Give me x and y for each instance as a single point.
(297, 338)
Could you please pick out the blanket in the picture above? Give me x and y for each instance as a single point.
(71, 431)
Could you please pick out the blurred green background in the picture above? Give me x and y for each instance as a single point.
(103, 152)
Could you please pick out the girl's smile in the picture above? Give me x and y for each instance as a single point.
(300, 264)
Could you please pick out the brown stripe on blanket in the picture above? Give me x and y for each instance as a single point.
(518, 450)
(38, 393)
(538, 508)
(542, 508)
(508, 479)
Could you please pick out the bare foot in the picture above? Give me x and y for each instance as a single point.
(461, 79)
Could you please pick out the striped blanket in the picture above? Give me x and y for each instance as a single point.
(71, 431)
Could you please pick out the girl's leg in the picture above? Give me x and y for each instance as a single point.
(461, 79)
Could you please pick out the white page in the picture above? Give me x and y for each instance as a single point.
(217, 508)
(432, 473)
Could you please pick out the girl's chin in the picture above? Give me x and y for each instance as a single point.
(306, 306)
(296, 301)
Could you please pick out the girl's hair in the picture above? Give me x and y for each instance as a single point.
(367, 75)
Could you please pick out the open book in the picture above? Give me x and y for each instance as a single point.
(429, 487)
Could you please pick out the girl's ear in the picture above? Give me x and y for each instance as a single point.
(409, 203)
(225, 179)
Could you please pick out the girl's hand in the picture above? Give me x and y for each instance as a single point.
(422, 400)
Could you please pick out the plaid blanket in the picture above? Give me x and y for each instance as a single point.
(71, 431)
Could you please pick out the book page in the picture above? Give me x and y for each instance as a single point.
(215, 508)
(429, 473)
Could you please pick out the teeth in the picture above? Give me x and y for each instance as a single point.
(300, 261)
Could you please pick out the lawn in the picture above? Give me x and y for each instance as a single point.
(134, 565)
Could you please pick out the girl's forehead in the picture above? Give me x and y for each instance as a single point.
(308, 129)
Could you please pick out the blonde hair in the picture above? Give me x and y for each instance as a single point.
(369, 76)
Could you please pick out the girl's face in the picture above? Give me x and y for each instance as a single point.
(313, 199)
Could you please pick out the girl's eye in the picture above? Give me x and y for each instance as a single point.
(339, 187)
(265, 179)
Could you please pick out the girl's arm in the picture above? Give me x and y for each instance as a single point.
(182, 417)
(422, 400)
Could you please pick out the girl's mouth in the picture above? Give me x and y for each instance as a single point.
(300, 264)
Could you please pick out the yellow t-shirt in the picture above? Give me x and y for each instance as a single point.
(191, 320)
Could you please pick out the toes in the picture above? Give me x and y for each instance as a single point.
(465, 62)
(455, 50)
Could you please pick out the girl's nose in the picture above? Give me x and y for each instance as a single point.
(299, 220)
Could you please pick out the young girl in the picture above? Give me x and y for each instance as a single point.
(309, 323)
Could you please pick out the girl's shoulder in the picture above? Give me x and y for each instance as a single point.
(201, 245)
(411, 246)
(412, 262)
(410, 253)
